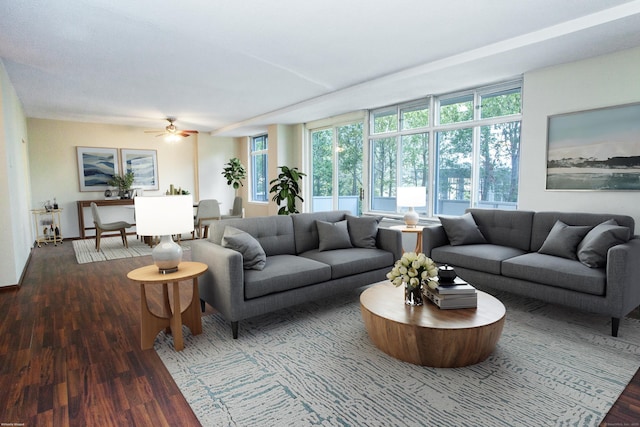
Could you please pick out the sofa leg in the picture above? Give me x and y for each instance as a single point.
(234, 330)
(202, 305)
(615, 323)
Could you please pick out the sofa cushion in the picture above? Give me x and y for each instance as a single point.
(556, 271)
(462, 230)
(592, 250)
(504, 227)
(347, 262)
(563, 240)
(284, 272)
(482, 257)
(333, 235)
(363, 230)
(253, 256)
(306, 231)
(275, 233)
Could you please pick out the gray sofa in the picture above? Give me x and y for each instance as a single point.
(306, 257)
(524, 254)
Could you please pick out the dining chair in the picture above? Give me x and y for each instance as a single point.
(101, 227)
(207, 212)
(236, 211)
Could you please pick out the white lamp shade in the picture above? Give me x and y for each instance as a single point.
(412, 197)
(163, 215)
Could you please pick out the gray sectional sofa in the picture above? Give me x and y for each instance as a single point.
(566, 258)
(262, 264)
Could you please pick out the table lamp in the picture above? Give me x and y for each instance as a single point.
(164, 216)
(412, 197)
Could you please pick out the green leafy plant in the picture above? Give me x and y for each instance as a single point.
(234, 172)
(286, 188)
(123, 182)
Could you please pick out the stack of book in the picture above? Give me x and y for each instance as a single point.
(458, 295)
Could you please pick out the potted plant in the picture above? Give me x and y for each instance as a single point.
(286, 188)
(123, 182)
(234, 172)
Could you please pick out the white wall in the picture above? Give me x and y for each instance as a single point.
(14, 184)
(213, 154)
(598, 82)
(54, 170)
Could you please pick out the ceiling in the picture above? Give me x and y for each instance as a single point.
(234, 67)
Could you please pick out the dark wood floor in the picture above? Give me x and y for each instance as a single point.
(70, 351)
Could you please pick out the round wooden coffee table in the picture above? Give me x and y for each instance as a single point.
(427, 335)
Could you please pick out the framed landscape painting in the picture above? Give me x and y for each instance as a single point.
(96, 166)
(595, 149)
(144, 165)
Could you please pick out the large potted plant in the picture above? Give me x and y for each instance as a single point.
(286, 188)
(234, 172)
(124, 183)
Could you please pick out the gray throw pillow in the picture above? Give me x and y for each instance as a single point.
(363, 230)
(253, 256)
(592, 250)
(563, 240)
(333, 235)
(462, 230)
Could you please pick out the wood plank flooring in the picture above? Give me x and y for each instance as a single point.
(70, 350)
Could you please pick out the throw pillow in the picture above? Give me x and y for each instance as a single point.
(592, 250)
(462, 230)
(253, 256)
(333, 235)
(563, 240)
(363, 230)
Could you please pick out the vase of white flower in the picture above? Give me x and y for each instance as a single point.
(412, 271)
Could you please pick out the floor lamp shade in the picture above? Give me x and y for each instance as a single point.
(412, 197)
(164, 216)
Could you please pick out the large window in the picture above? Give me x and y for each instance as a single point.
(258, 153)
(464, 148)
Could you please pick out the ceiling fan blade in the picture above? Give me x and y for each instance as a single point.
(183, 134)
(154, 131)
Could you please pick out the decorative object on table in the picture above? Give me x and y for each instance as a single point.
(144, 165)
(594, 149)
(96, 166)
(452, 295)
(164, 216)
(446, 274)
(286, 188)
(123, 182)
(412, 197)
(176, 191)
(234, 172)
(412, 270)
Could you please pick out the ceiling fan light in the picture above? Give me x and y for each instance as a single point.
(172, 138)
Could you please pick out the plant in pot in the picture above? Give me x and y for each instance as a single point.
(123, 182)
(234, 172)
(286, 188)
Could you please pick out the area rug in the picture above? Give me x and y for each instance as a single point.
(314, 365)
(112, 248)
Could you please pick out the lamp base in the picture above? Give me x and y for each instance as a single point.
(411, 218)
(167, 255)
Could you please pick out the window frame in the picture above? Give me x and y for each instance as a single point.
(253, 174)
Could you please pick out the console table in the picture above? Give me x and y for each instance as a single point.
(104, 202)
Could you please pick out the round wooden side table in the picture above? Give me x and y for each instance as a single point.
(172, 320)
(427, 335)
(417, 230)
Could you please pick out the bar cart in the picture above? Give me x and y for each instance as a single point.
(47, 226)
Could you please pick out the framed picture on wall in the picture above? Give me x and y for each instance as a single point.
(144, 165)
(594, 149)
(96, 166)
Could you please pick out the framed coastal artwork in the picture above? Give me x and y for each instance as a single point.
(144, 165)
(96, 166)
(595, 149)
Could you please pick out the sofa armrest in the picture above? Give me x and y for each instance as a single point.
(623, 275)
(390, 240)
(222, 285)
(432, 237)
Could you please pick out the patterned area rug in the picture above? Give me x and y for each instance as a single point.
(315, 365)
(112, 248)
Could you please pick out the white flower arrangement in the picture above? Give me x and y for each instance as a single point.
(412, 269)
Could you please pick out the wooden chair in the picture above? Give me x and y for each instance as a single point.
(208, 211)
(110, 226)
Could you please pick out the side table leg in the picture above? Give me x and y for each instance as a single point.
(176, 318)
(167, 305)
(192, 316)
(150, 324)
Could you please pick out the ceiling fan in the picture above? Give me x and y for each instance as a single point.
(171, 132)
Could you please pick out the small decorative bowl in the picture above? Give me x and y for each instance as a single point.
(446, 273)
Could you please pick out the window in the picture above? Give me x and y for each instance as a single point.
(258, 153)
(463, 147)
